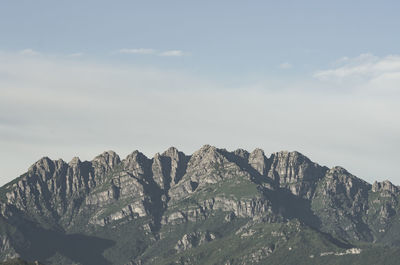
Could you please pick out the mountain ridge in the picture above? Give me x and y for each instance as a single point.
(154, 197)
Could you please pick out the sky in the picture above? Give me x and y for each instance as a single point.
(81, 77)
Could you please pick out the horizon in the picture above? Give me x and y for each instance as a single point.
(81, 77)
(150, 157)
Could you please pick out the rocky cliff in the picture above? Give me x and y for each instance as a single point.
(177, 208)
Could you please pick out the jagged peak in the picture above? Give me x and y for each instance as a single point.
(44, 160)
(338, 172)
(135, 160)
(136, 154)
(43, 163)
(385, 185)
(208, 152)
(291, 158)
(74, 161)
(207, 155)
(171, 152)
(290, 154)
(241, 153)
(44, 166)
(257, 153)
(107, 155)
(207, 148)
(258, 161)
(108, 158)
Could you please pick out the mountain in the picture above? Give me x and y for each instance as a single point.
(211, 207)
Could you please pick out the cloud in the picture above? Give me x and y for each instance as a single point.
(77, 54)
(63, 107)
(137, 51)
(169, 53)
(172, 53)
(29, 52)
(364, 67)
(285, 65)
(366, 73)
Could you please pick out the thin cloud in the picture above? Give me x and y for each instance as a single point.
(176, 53)
(285, 65)
(29, 52)
(147, 51)
(77, 54)
(137, 51)
(72, 107)
(363, 68)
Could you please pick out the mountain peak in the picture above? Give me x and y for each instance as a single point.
(241, 153)
(136, 162)
(291, 155)
(150, 200)
(44, 162)
(75, 161)
(258, 161)
(207, 148)
(172, 151)
(208, 154)
(109, 158)
(338, 170)
(385, 185)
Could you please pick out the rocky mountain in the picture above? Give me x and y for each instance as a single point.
(211, 207)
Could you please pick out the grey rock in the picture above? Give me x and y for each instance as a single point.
(153, 195)
(258, 161)
(385, 186)
(192, 240)
(295, 172)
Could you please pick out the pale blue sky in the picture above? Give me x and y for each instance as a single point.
(81, 77)
(222, 37)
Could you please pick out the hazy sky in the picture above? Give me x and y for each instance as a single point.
(81, 77)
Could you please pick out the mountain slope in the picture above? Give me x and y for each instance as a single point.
(214, 207)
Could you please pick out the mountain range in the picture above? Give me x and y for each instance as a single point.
(212, 207)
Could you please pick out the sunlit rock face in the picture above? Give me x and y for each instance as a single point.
(184, 199)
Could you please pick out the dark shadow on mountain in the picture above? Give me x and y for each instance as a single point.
(41, 244)
(182, 167)
(342, 243)
(87, 170)
(244, 165)
(153, 202)
(291, 206)
(166, 172)
(364, 229)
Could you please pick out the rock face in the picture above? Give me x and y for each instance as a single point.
(194, 239)
(342, 202)
(385, 186)
(293, 171)
(258, 161)
(144, 202)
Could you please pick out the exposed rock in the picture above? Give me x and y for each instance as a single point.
(159, 171)
(137, 164)
(351, 251)
(230, 217)
(341, 201)
(258, 255)
(178, 162)
(194, 239)
(7, 251)
(258, 161)
(103, 164)
(385, 186)
(295, 172)
(153, 196)
(242, 153)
